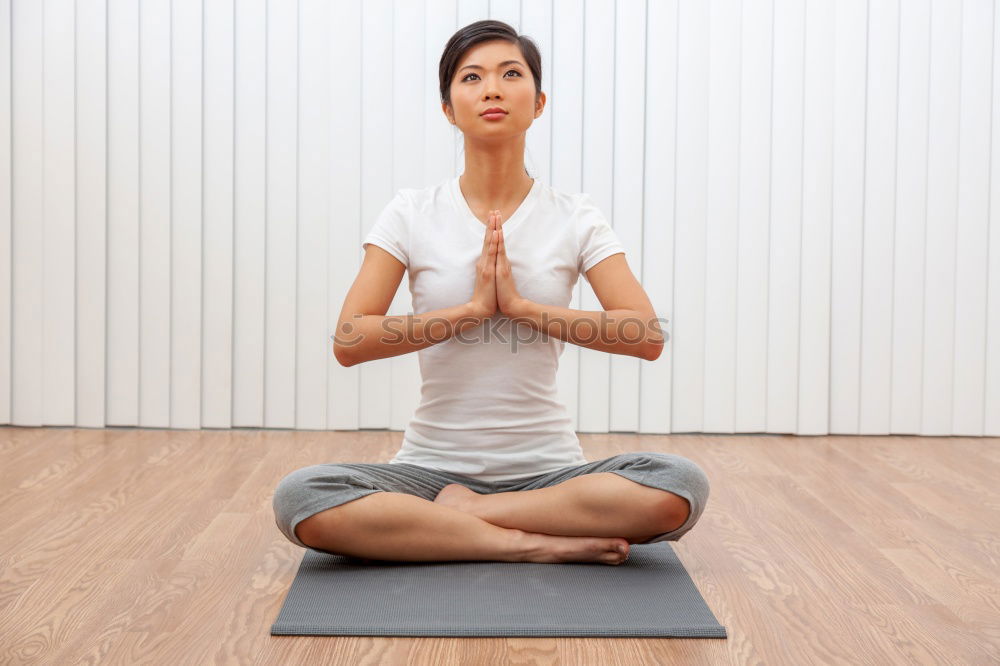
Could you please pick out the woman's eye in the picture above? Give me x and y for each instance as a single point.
(466, 77)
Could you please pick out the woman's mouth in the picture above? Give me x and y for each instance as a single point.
(494, 116)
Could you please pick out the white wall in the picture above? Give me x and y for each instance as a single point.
(804, 189)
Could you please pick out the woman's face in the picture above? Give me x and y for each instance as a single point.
(485, 79)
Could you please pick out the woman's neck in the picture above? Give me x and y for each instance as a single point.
(505, 199)
(494, 175)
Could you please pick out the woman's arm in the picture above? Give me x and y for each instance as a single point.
(365, 333)
(627, 325)
(367, 337)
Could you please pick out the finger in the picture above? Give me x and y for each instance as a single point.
(493, 233)
(499, 233)
(499, 228)
(488, 236)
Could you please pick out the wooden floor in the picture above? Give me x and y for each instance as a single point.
(158, 546)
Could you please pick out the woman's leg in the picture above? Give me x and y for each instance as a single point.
(642, 496)
(595, 504)
(396, 526)
(381, 511)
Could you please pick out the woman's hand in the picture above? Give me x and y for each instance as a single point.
(508, 298)
(484, 294)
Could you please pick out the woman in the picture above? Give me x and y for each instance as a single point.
(490, 467)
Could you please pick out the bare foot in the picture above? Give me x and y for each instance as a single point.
(458, 497)
(552, 548)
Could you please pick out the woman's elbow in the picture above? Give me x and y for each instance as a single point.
(653, 339)
(343, 356)
(652, 350)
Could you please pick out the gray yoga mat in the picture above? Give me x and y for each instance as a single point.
(650, 594)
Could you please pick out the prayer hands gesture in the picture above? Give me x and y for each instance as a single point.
(495, 287)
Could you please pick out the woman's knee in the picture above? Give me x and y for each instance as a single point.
(686, 478)
(304, 492)
(295, 488)
(308, 530)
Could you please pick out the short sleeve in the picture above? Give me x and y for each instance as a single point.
(598, 240)
(391, 230)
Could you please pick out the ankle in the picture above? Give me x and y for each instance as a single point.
(524, 546)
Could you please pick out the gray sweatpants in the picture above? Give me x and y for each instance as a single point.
(315, 488)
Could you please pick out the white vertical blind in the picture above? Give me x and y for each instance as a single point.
(218, 351)
(805, 190)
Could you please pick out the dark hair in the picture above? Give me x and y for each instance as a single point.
(484, 31)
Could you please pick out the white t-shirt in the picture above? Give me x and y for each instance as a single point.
(489, 407)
